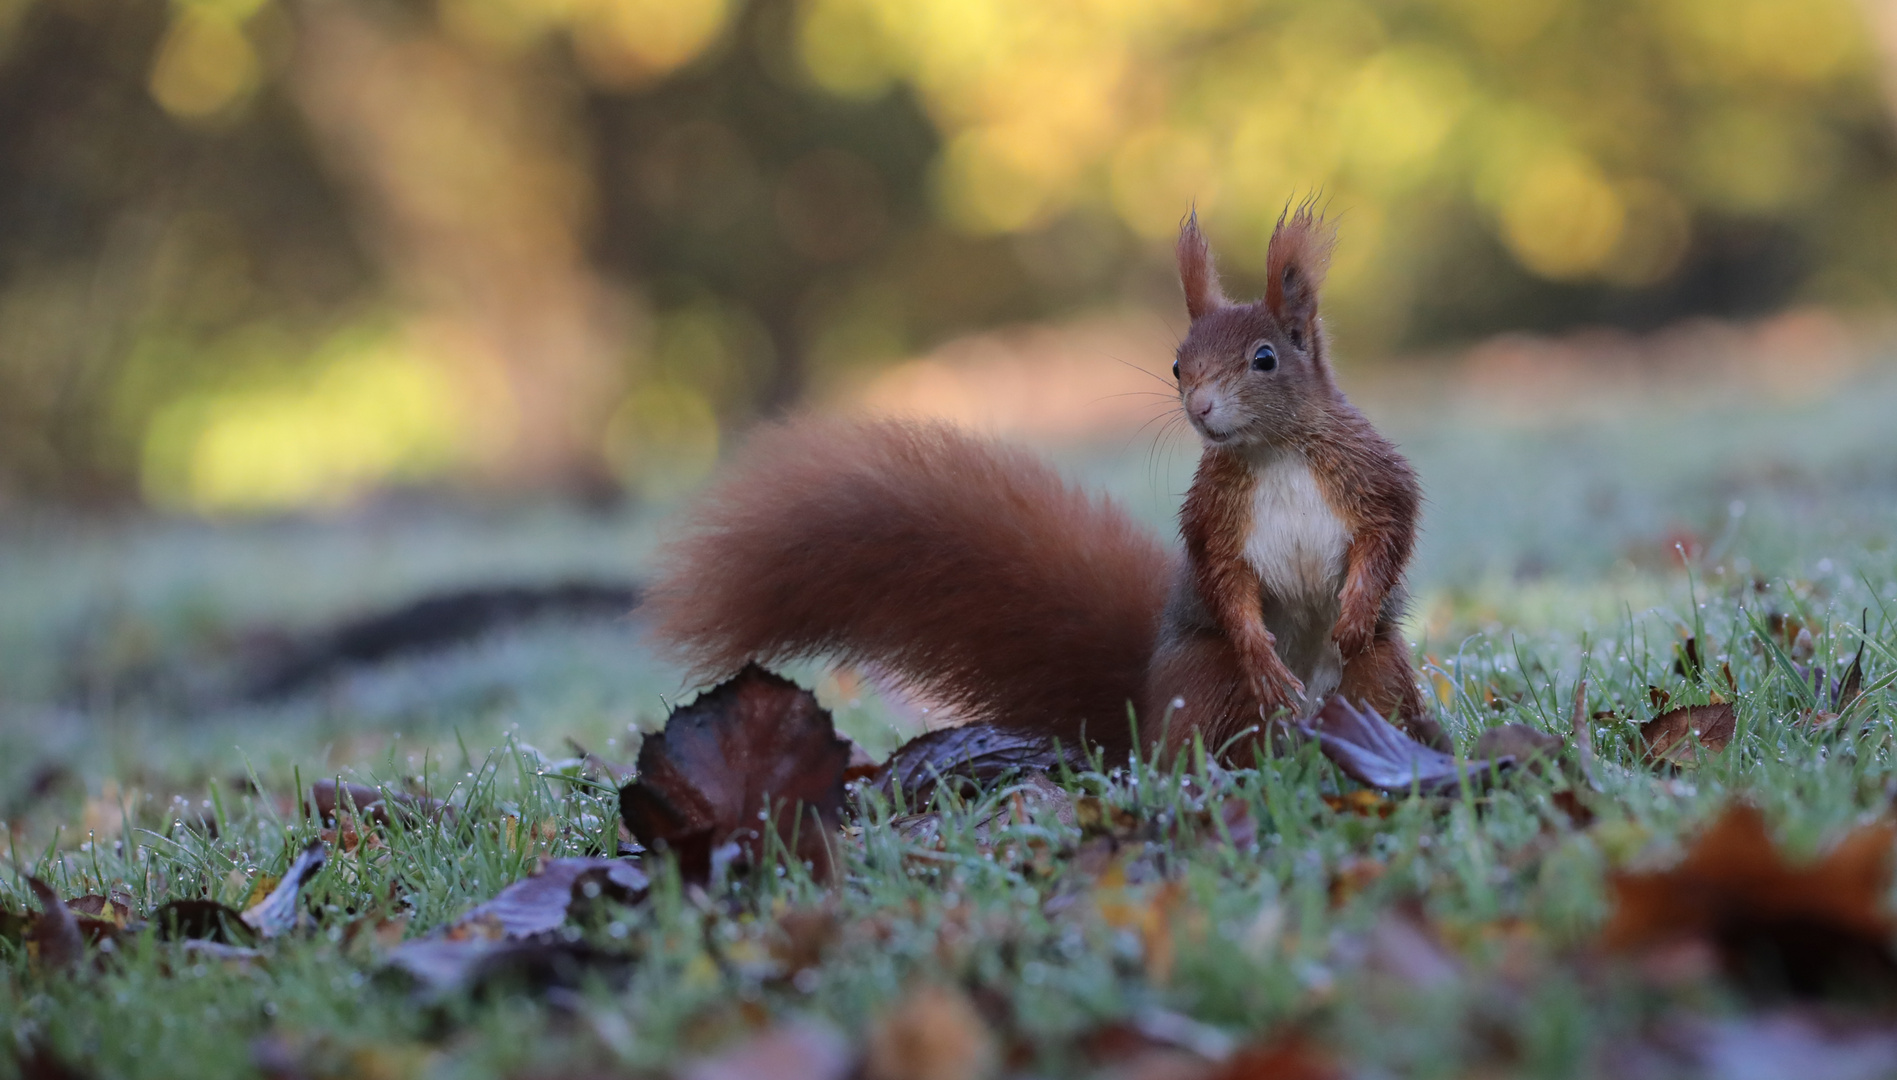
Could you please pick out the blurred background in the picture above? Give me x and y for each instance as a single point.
(310, 309)
(273, 255)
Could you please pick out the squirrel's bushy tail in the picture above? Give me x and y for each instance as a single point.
(968, 569)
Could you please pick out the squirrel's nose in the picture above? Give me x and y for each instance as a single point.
(1200, 403)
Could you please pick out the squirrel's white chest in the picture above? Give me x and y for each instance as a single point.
(1297, 542)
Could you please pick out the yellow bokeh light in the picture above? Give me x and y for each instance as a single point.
(1562, 219)
(1789, 41)
(842, 46)
(205, 64)
(1397, 112)
(625, 42)
(371, 414)
(994, 180)
(1159, 171)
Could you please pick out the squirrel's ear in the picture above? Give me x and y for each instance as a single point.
(1299, 254)
(1196, 273)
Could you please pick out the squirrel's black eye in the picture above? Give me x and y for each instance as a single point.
(1264, 359)
(1175, 371)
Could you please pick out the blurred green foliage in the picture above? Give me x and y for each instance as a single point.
(266, 253)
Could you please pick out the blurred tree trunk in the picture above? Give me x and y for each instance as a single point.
(469, 184)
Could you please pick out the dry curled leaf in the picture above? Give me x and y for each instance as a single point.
(108, 909)
(1157, 1042)
(754, 751)
(101, 918)
(801, 938)
(439, 965)
(1781, 1043)
(1404, 946)
(511, 937)
(328, 798)
(202, 920)
(803, 1050)
(933, 1033)
(1360, 802)
(55, 937)
(1576, 805)
(277, 913)
(1675, 736)
(1289, 1057)
(1352, 876)
(978, 754)
(1773, 927)
(553, 894)
(1376, 754)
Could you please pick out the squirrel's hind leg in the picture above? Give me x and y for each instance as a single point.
(1196, 686)
(1383, 677)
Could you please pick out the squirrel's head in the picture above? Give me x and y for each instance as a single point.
(1249, 373)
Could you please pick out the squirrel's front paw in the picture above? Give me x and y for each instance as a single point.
(1353, 637)
(1276, 688)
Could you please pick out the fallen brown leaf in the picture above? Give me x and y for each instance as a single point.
(277, 913)
(202, 920)
(1352, 876)
(1574, 805)
(1404, 946)
(796, 1051)
(1148, 910)
(328, 798)
(100, 918)
(974, 754)
(1780, 1043)
(1362, 802)
(1808, 930)
(104, 908)
(933, 1033)
(1156, 1042)
(545, 900)
(1375, 753)
(757, 747)
(54, 938)
(1675, 736)
(511, 937)
(1289, 1057)
(801, 938)
(440, 966)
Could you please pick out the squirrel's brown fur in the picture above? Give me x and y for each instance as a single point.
(972, 572)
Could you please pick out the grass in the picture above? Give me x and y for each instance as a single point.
(1545, 562)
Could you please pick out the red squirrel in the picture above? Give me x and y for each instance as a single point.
(975, 575)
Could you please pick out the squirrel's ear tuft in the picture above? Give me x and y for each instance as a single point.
(1196, 272)
(1300, 252)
